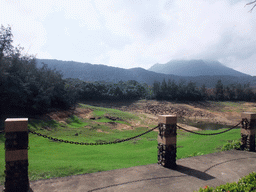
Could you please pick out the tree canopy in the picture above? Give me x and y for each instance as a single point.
(24, 87)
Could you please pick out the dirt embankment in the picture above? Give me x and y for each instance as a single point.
(148, 110)
(195, 111)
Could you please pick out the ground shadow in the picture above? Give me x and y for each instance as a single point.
(194, 173)
(185, 170)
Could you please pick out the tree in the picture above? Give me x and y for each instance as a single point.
(163, 90)
(5, 42)
(24, 88)
(219, 91)
(253, 5)
(156, 88)
(203, 91)
(181, 95)
(192, 94)
(239, 92)
(230, 92)
(172, 90)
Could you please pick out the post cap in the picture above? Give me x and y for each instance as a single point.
(248, 115)
(17, 119)
(167, 119)
(16, 124)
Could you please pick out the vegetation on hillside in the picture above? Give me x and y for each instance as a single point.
(27, 89)
(103, 73)
(189, 92)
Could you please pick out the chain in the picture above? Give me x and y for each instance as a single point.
(100, 143)
(210, 133)
(245, 123)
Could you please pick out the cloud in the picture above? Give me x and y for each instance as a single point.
(129, 33)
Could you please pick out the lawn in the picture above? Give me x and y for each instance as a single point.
(49, 159)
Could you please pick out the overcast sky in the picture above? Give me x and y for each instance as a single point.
(135, 33)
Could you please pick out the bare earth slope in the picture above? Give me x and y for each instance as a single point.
(215, 112)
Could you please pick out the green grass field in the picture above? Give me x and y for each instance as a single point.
(49, 159)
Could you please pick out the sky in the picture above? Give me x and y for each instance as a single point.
(135, 33)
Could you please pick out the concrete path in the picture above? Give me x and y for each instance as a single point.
(191, 174)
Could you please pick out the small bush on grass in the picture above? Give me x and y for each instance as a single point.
(235, 144)
(245, 184)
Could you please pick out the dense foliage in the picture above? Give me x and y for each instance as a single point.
(247, 183)
(189, 92)
(25, 88)
(172, 91)
(130, 90)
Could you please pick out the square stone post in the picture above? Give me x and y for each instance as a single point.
(16, 155)
(248, 131)
(167, 140)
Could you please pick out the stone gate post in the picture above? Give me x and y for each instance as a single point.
(167, 140)
(16, 155)
(248, 131)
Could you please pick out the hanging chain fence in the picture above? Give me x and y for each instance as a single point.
(244, 124)
(99, 143)
(211, 133)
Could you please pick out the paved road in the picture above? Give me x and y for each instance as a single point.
(192, 173)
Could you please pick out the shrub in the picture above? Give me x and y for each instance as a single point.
(231, 145)
(245, 184)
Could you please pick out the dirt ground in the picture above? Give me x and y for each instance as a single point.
(213, 112)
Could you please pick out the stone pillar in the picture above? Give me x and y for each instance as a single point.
(248, 131)
(167, 140)
(16, 155)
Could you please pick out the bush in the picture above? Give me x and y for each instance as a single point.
(231, 145)
(245, 184)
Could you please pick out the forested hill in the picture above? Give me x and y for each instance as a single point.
(195, 68)
(92, 72)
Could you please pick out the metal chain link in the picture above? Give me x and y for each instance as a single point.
(245, 123)
(210, 133)
(100, 143)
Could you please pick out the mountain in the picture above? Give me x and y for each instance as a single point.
(195, 68)
(92, 72)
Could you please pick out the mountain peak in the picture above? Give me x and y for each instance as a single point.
(195, 68)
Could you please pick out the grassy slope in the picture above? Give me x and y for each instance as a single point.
(49, 159)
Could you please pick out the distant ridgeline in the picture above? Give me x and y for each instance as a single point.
(198, 71)
(195, 68)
